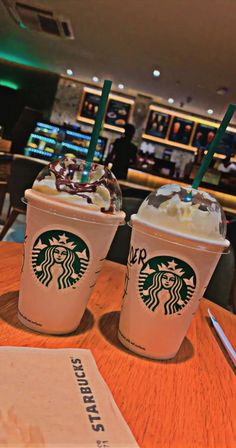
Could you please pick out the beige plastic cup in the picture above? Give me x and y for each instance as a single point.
(167, 274)
(65, 246)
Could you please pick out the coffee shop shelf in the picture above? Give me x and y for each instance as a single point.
(145, 181)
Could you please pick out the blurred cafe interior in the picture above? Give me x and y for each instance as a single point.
(172, 68)
(172, 79)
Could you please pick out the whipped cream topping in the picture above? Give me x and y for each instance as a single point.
(184, 210)
(61, 180)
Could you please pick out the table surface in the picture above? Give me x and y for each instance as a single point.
(187, 402)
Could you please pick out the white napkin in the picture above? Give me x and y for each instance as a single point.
(57, 398)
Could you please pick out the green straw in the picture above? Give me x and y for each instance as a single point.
(96, 129)
(218, 136)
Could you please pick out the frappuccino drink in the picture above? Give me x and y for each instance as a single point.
(69, 229)
(178, 236)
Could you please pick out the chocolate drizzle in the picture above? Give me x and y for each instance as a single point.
(64, 171)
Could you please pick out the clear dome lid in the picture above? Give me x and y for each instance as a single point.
(62, 181)
(184, 210)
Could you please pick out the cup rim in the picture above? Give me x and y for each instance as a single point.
(156, 232)
(72, 212)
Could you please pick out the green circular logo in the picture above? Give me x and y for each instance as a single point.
(166, 282)
(59, 258)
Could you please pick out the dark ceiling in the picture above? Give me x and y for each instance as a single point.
(191, 41)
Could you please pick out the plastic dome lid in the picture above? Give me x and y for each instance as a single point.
(184, 210)
(62, 181)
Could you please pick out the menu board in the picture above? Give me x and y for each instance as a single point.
(90, 105)
(181, 130)
(157, 124)
(117, 113)
(227, 144)
(203, 136)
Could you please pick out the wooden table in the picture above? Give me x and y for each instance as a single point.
(187, 402)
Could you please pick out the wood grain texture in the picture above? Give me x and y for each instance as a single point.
(187, 402)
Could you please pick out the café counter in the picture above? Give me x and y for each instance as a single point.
(145, 181)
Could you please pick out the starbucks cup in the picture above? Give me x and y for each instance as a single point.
(167, 274)
(65, 246)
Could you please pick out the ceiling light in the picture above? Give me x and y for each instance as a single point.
(95, 79)
(69, 72)
(222, 90)
(171, 100)
(210, 111)
(9, 84)
(121, 86)
(156, 73)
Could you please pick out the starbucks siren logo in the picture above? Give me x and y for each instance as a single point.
(166, 282)
(59, 258)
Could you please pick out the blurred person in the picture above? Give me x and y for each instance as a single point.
(123, 153)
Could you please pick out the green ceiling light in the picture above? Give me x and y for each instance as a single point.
(15, 59)
(21, 60)
(9, 84)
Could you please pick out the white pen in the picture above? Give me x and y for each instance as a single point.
(223, 338)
